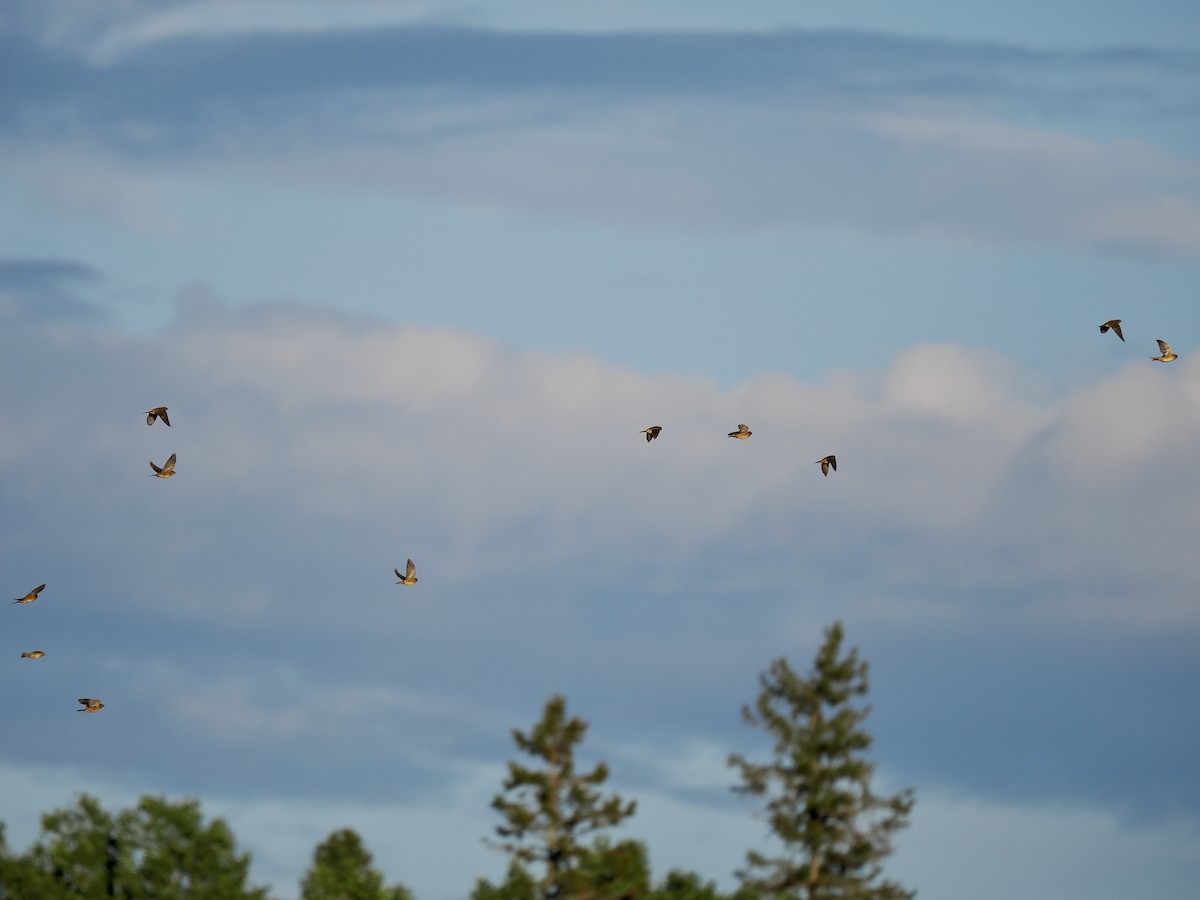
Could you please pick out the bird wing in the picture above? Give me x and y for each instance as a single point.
(163, 414)
(170, 463)
(154, 467)
(1116, 326)
(1163, 347)
(410, 570)
(37, 590)
(150, 417)
(833, 462)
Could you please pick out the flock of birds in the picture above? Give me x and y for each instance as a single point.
(1164, 349)
(167, 469)
(825, 462)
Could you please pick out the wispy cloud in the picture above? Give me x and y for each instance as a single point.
(46, 289)
(719, 132)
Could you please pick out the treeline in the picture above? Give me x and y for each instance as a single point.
(814, 791)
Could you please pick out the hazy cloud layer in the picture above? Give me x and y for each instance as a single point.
(989, 144)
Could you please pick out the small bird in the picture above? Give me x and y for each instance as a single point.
(1115, 325)
(159, 412)
(652, 432)
(827, 463)
(33, 654)
(90, 705)
(31, 596)
(166, 470)
(1165, 349)
(742, 433)
(409, 576)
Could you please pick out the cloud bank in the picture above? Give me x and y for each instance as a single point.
(711, 133)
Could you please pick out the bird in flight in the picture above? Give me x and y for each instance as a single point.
(652, 432)
(159, 412)
(1115, 325)
(742, 433)
(166, 470)
(33, 654)
(1165, 349)
(90, 705)
(31, 596)
(409, 576)
(826, 463)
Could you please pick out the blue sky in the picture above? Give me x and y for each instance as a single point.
(412, 277)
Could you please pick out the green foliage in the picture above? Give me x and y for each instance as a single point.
(548, 810)
(518, 885)
(610, 872)
(680, 885)
(818, 786)
(155, 851)
(341, 870)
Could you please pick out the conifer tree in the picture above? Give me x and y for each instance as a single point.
(549, 810)
(834, 829)
(342, 870)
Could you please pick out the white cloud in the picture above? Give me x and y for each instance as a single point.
(517, 464)
(1123, 194)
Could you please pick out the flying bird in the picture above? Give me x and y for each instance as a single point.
(409, 576)
(827, 463)
(166, 470)
(652, 432)
(33, 654)
(159, 412)
(742, 433)
(1115, 325)
(90, 705)
(1165, 349)
(31, 596)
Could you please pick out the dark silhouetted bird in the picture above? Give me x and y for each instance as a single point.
(409, 576)
(90, 705)
(652, 432)
(1115, 325)
(159, 412)
(31, 596)
(166, 470)
(1165, 349)
(742, 433)
(826, 463)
